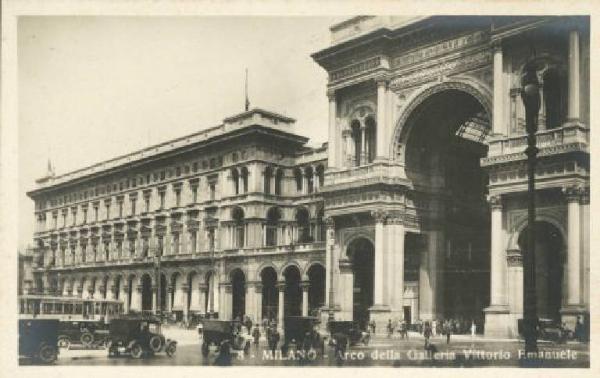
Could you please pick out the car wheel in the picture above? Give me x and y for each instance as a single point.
(137, 351)
(87, 339)
(171, 348)
(155, 343)
(63, 342)
(205, 349)
(47, 354)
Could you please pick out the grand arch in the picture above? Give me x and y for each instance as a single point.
(402, 128)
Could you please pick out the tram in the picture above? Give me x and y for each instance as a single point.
(68, 308)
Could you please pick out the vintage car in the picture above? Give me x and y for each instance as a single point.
(38, 339)
(303, 333)
(350, 330)
(138, 337)
(89, 334)
(549, 330)
(214, 332)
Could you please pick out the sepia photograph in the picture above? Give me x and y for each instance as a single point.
(303, 191)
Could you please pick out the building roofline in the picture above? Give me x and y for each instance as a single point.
(259, 111)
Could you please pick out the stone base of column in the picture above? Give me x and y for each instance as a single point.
(570, 313)
(498, 321)
(381, 314)
(573, 122)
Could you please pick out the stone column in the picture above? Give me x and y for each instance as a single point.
(498, 109)
(184, 298)
(329, 244)
(574, 303)
(498, 263)
(250, 301)
(363, 145)
(431, 276)
(169, 305)
(382, 127)
(258, 297)
(514, 259)
(112, 291)
(136, 298)
(195, 299)
(305, 285)
(225, 302)
(394, 263)
(585, 240)
(124, 296)
(496, 316)
(345, 290)
(573, 111)
(280, 312)
(379, 278)
(203, 288)
(154, 299)
(332, 155)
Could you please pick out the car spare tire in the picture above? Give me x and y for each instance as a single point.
(47, 353)
(86, 339)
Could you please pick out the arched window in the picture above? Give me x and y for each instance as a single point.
(553, 99)
(298, 178)
(321, 175)
(235, 178)
(371, 139)
(357, 138)
(268, 175)
(308, 172)
(320, 226)
(273, 217)
(303, 223)
(244, 179)
(278, 181)
(238, 227)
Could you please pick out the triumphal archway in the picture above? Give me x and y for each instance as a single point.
(425, 188)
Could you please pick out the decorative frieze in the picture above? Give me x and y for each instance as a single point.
(355, 69)
(514, 258)
(426, 53)
(443, 69)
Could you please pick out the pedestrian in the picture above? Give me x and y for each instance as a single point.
(256, 335)
(578, 332)
(273, 339)
(390, 328)
(448, 330)
(473, 329)
(434, 330)
(224, 356)
(372, 326)
(426, 333)
(248, 324)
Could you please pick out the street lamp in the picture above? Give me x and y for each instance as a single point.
(530, 94)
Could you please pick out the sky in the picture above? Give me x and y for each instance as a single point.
(94, 87)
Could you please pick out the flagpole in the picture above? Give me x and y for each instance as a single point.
(247, 103)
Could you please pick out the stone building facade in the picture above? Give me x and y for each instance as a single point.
(414, 209)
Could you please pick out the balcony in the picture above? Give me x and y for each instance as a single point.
(375, 173)
(566, 139)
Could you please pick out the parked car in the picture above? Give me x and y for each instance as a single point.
(350, 330)
(304, 333)
(38, 339)
(214, 332)
(89, 334)
(549, 330)
(138, 337)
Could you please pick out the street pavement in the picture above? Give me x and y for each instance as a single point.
(462, 351)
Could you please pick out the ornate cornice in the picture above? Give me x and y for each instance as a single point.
(495, 202)
(573, 193)
(379, 215)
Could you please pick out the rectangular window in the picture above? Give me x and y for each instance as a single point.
(213, 190)
(162, 200)
(95, 213)
(108, 211)
(84, 216)
(193, 241)
(147, 203)
(178, 198)
(119, 249)
(211, 239)
(120, 209)
(176, 243)
(194, 194)
(133, 207)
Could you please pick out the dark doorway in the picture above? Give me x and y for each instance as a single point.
(146, 293)
(270, 296)
(238, 293)
(316, 290)
(293, 292)
(362, 254)
(549, 265)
